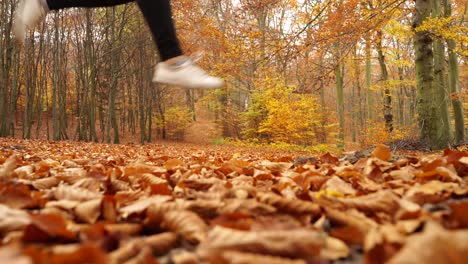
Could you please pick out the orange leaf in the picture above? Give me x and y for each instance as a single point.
(161, 189)
(329, 158)
(46, 228)
(173, 163)
(382, 152)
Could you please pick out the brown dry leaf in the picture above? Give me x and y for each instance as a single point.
(294, 206)
(47, 228)
(330, 159)
(127, 251)
(90, 184)
(406, 173)
(89, 211)
(144, 257)
(382, 243)
(198, 182)
(350, 226)
(155, 212)
(45, 183)
(24, 171)
(334, 249)
(458, 217)
(62, 204)
(17, 196)
(382, 152)
(184, 257)
(162, 242)
(336, 184)
(237, 221)
(434, 245)
(8, 167)
(304, 243)
(381, 201)
(408, 210)
(109, 208)
(431, 192)
(65, 192)
(12, 254)
(276, 168)
(142, 204)
(204, 207)
(12, 219)
(72, 175)
(139, 168)
(159, 244)
(409, 226)
(173, 164)
(233, 166)
(236, 257)
(88, 253)
(188, 224)
(245, 206)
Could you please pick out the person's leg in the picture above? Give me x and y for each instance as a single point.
(30, 12)
(61, 4)
(174, 68)
(158, 15)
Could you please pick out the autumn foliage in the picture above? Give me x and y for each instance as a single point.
(93, 203)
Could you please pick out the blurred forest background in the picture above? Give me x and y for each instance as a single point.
(306, 73)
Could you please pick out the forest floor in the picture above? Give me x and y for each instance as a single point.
(77, 202)
(204, 130)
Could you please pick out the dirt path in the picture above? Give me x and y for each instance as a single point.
(204, 130)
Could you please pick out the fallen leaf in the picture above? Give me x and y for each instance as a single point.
(87, 253)
(434, 245)
(142, 204)
(236, 257)
(188, 224)
(65, 192)
(89, 211)
(8, 167)
(294, 206)
(47, 228)
(12, 219)
(12, 254)
(382, 152)
(336, 184)
(302, 243)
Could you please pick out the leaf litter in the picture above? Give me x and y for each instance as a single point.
(63, 202)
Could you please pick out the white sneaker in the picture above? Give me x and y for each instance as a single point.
(28, 14)
(186, 74)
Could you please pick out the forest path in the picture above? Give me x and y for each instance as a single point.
(204, 130)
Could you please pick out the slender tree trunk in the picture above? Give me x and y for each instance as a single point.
(112, 119)
(387, 96)
(370, 100)
(454, 83)
(339, 94)
(440, 71)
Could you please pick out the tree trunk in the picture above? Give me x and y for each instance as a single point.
(387, 96)
(440, 71)
(339, 95)
(370, 101)
(429, 119)
(454, 83)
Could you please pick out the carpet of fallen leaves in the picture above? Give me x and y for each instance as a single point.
(69, 202)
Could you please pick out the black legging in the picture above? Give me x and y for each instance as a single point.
(157, 13)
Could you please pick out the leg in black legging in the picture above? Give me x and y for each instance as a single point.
(62, 4)
(157, 13)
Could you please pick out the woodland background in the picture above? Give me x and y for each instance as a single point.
(298, 73)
